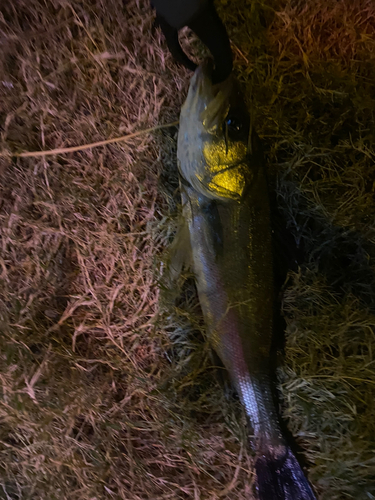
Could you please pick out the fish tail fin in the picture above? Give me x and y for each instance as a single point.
(282, 478)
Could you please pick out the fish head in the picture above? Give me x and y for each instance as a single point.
(214, 137)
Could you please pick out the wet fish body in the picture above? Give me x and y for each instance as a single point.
(226, 207)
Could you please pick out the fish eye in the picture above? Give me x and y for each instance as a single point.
(233, 124)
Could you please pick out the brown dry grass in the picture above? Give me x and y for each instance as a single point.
(82, 357)
(101, 397)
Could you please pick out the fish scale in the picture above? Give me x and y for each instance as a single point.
(236, 299)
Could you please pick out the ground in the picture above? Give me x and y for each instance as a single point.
(106, 391)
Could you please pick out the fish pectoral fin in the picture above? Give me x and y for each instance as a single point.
(179, 255)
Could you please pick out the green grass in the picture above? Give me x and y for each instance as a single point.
(106, 392)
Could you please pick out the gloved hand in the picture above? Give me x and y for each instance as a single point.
(201, 17)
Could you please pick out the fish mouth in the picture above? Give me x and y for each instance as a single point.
(202, 77)
(210, 101)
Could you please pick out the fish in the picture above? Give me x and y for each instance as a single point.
(226, 211)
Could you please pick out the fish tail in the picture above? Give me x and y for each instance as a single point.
(282, 478)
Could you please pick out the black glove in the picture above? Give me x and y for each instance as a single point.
(201, 17)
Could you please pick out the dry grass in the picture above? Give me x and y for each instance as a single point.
(102, 397)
